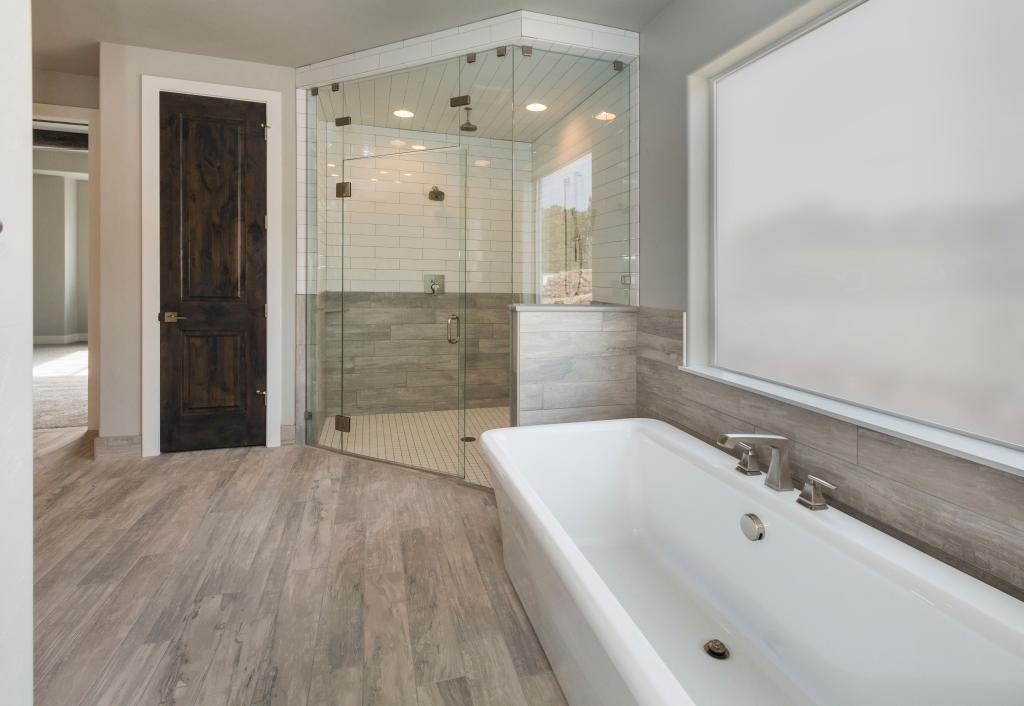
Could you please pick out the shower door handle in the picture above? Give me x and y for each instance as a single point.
(454, 319)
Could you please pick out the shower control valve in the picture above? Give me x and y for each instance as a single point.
(433, 284)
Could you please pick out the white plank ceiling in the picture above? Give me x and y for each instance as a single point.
(559, 81)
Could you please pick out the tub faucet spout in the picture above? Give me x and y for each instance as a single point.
(780, 476)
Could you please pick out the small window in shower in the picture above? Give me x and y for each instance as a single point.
(565, 217)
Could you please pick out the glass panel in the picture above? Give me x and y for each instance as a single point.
(402, 319)
(574, 112)
(487, 138)
(868, 213)
(377, 338)
(322, 359)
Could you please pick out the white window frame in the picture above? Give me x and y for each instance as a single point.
(699, 352)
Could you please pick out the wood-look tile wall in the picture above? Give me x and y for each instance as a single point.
(575, 365)
(396, 356)
(967, 515)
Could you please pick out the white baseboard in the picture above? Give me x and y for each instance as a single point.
(104, 446)
(58, 340)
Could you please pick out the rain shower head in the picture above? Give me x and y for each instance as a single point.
(468, 126)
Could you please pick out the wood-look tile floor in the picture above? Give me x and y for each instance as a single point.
(265, 576)
(429, 440)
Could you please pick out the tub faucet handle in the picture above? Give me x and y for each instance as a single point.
(748, 465)
(779, 477)
(811, 496)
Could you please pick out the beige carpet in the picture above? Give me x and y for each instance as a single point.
(60, 386)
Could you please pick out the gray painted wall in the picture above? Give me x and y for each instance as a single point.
(82, 257)
(60, 262)
(48, 255)
(683, 37)
(71, 161)
(59, 88)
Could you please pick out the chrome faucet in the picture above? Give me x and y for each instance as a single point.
(780, 477)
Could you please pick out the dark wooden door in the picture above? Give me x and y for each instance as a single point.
(213, 272)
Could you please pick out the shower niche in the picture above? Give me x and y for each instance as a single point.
(437, 196)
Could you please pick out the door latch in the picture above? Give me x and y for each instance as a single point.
(263, 394)
(170, 317)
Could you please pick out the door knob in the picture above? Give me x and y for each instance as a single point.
(170, 317)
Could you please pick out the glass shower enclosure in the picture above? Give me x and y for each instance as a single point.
(439, 195)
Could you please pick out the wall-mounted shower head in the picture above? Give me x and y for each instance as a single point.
(468, 126)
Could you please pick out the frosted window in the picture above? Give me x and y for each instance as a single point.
(869, 190)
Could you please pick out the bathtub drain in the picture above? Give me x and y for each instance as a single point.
(717, 649)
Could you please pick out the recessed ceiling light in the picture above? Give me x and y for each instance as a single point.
(335, 175)
(536, 107)
(403, 113)
(408, 173)
(383, 171)
(605, 115)
(419, 147)
(374, 179)
(397, 143)
(331, 165)
(482, 163)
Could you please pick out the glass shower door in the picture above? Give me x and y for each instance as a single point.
(402, 322)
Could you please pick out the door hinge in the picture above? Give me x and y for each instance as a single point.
(263, 394)
(308, 415)
(266, 222)
(342, 423)
(266, 131)
(266, 311)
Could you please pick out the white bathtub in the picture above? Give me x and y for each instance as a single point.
(623, 541)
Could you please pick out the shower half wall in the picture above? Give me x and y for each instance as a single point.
(378, 360)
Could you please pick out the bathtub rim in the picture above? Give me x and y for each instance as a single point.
(646, 675)
(980, 607)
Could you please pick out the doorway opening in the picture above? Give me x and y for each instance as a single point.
(61, 273)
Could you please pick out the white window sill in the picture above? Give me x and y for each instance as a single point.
(986, 453)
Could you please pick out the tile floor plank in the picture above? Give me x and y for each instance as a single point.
(272, 576)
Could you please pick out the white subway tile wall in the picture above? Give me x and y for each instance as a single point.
(596, 41)
(608, 143)
(389, 234)
(498, 255)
